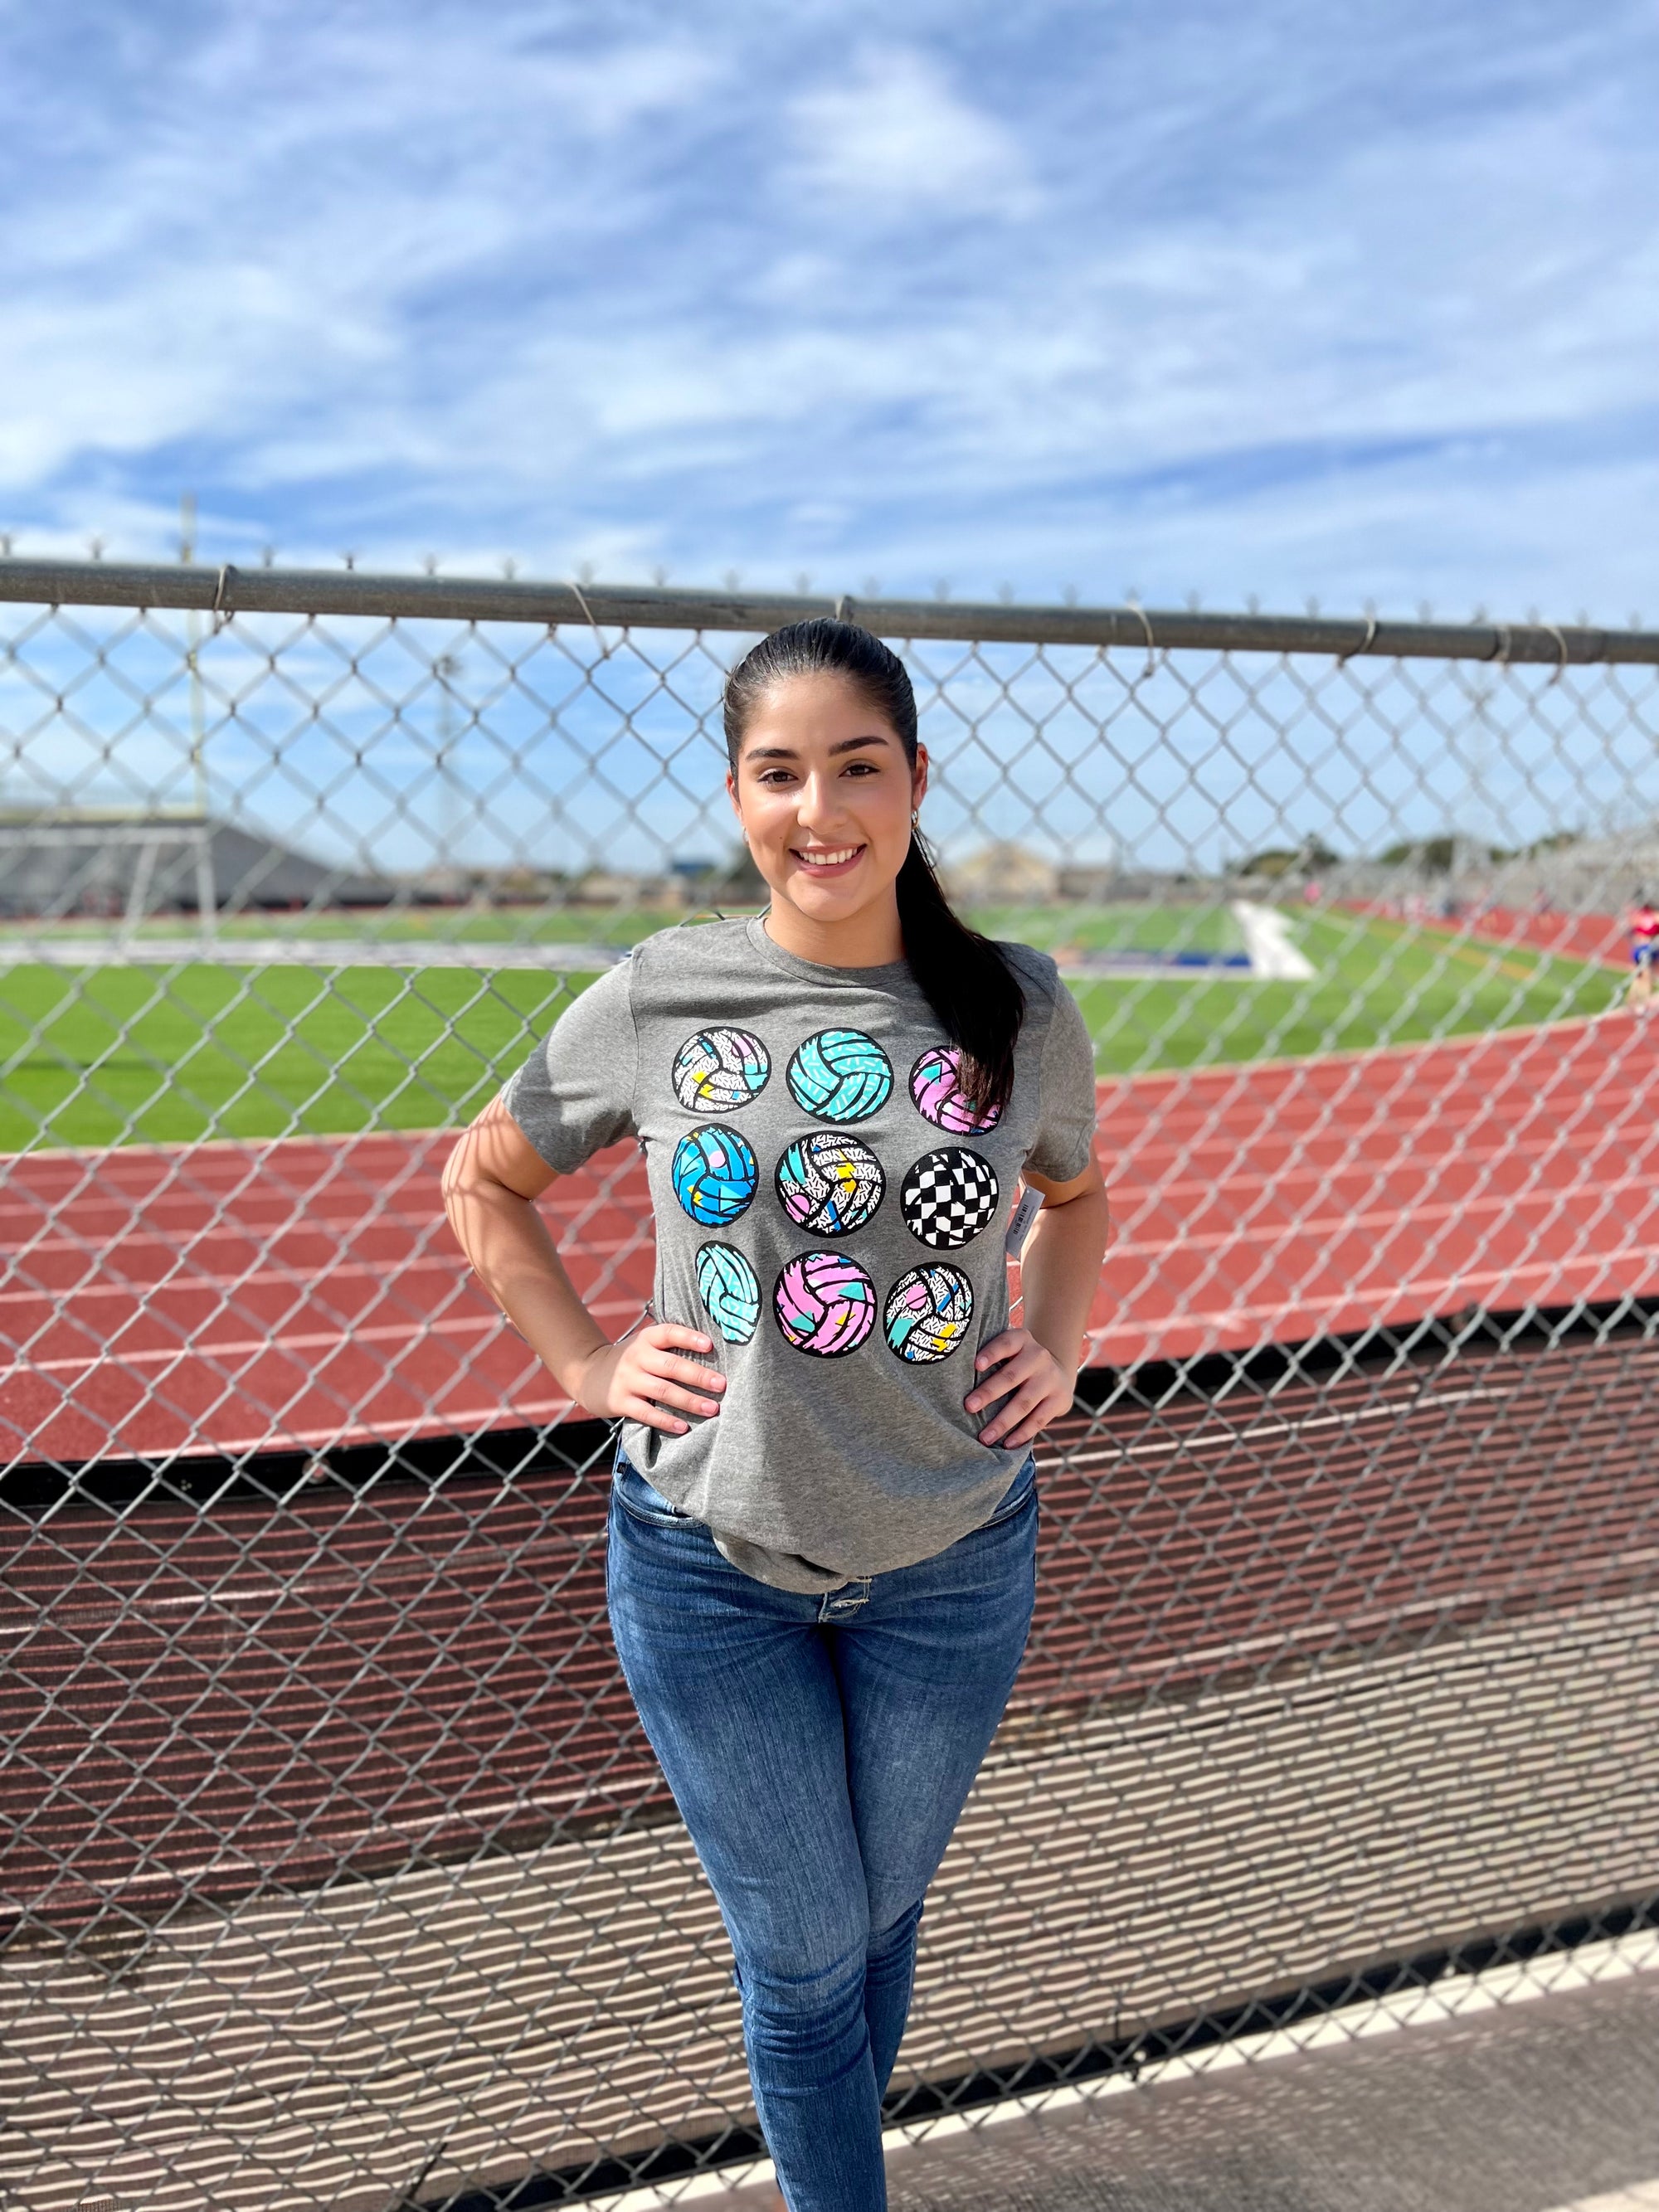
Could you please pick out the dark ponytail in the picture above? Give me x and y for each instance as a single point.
(972, 990)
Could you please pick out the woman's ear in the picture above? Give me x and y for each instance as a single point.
(919, 776)
(732, 794)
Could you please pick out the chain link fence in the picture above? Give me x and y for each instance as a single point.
(338, 1872)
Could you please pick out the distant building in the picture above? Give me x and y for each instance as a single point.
(1002, 873)
(97, 860)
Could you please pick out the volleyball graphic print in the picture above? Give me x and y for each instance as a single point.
(824, 1304)
(727, 1284)
(714, 1175)
(947, 1197)
(828, 1184)
(840, 1075)
(937, 1096)
(927, 1313)
(719, 1070)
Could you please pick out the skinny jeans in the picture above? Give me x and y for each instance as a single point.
(820, 1749)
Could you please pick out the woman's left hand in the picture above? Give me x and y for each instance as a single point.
(1041, 1390)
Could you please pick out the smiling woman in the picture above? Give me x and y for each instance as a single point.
(821, 1558)
(826, 776)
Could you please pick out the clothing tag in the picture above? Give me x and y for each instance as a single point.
(1019, 1222)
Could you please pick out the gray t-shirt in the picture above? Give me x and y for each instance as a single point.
(828, 1212)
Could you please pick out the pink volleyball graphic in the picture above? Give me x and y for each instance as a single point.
(825, 1302)
(936, 1088)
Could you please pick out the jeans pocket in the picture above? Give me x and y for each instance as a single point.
(1020, 1493)
(641, 1502)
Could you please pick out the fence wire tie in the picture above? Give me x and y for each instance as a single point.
(1365, 644)
(223, 612)
(1561, 647)
(598, 635)
(1150, 668)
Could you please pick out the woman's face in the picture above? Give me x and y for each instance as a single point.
(824, 794)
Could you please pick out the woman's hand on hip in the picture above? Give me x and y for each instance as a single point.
(1034, 1388)
(647, 1374)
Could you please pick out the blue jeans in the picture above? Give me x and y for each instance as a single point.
(820, 1750)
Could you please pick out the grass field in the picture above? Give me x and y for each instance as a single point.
(123, 1053)
(1137, 927)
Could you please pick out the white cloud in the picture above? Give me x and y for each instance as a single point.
(895, 139)
(451, 278)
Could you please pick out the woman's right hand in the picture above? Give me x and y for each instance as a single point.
(648, 1373)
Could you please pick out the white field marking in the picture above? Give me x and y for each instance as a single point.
(1274, 958)
(1449, 1998)
(555, 959)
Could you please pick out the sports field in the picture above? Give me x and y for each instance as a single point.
(156, 1054)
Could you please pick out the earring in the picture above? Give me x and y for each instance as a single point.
(916, 817)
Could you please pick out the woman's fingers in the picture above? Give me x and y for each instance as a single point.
(1006, 1418)
(676, 1365)
(670, 1336)
(1027, 1413)
(679, 1383)
(652, 1416)
(999, 1348)
(1029, 1360)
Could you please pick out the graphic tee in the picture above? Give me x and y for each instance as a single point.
(832, 1213)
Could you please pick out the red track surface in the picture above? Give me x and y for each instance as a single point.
(229, 1298)
(1596, 937)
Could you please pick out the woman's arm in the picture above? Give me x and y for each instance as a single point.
(491, 1182)
(1036, 1365)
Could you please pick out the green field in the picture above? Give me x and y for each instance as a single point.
(369, 926)
(103, 1054)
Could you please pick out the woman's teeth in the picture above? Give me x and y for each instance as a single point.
(829, 859)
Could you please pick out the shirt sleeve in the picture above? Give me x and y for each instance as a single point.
(1065, 1107)
(575, 1094)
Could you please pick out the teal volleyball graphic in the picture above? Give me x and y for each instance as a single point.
(824, 1304)
(828, 1184)
(715, 1176)
(841, 1074)
(927, 1312)
(719, 1070)
(729, 1289)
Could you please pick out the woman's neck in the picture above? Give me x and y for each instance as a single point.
(870, 939)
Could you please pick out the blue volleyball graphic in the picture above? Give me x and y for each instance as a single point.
(719, 1070)
(727, 1286)
(927, 1312)
(715, 1176)
(841, 1074)
(828, 1183)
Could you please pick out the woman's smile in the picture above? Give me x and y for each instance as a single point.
(827, 860)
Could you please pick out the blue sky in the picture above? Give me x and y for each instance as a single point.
(1296, 298)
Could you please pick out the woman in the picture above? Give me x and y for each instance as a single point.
(824, 1517)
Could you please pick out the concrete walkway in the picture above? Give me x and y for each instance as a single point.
(1547, 2105)
(1551, 2104)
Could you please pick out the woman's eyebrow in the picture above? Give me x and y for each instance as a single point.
(789, 752)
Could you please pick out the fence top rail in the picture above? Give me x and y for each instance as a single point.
(228, 591)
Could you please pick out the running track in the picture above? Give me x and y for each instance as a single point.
(236, 1298)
